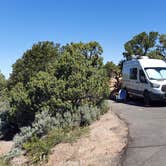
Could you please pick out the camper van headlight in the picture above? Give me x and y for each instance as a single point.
(154, 85)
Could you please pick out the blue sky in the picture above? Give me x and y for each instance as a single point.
(110, 22)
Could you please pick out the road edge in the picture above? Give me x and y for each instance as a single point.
(122, 154)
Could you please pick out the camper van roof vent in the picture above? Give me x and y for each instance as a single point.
(139, 57)
(135, 56)
(143, 57)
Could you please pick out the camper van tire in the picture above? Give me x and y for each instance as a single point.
(147, 100)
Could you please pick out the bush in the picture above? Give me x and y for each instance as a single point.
(88, 114)
(92, 113)
(13, 153)
(47, 131)
(40, 127)
(59, 79)
(38, 149)
(44, 122)
(104, 106)
(7, 128)
(54, 87)
(3, 123)
(3, 162)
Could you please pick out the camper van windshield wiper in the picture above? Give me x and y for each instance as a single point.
(161, 79)
(157, 79)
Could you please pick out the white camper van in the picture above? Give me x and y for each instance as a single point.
(145, 78)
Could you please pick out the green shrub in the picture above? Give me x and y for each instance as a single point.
(38, 149)
(54, 87)
(44, 122)
(40, 127)
(3, 162)
(104, 106)
(56, 78)
(37, 140)
(88, 114)
(14, 152)
(3, 123)
(7, 128)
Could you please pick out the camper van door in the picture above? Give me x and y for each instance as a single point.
(132, 86)
(142, 82)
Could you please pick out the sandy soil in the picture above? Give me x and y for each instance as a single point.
(5, 147)
(102, 147)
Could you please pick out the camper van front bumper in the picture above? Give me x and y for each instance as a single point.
(158, 96)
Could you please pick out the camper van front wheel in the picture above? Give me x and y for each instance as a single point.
(147, 99)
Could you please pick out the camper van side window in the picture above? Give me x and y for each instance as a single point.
(133, 73)
(142, 77)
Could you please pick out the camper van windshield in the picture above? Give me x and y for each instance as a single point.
(156, 73)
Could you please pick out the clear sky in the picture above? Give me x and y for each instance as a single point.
(110, 22)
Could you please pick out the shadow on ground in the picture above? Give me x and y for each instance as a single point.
(140, 103)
